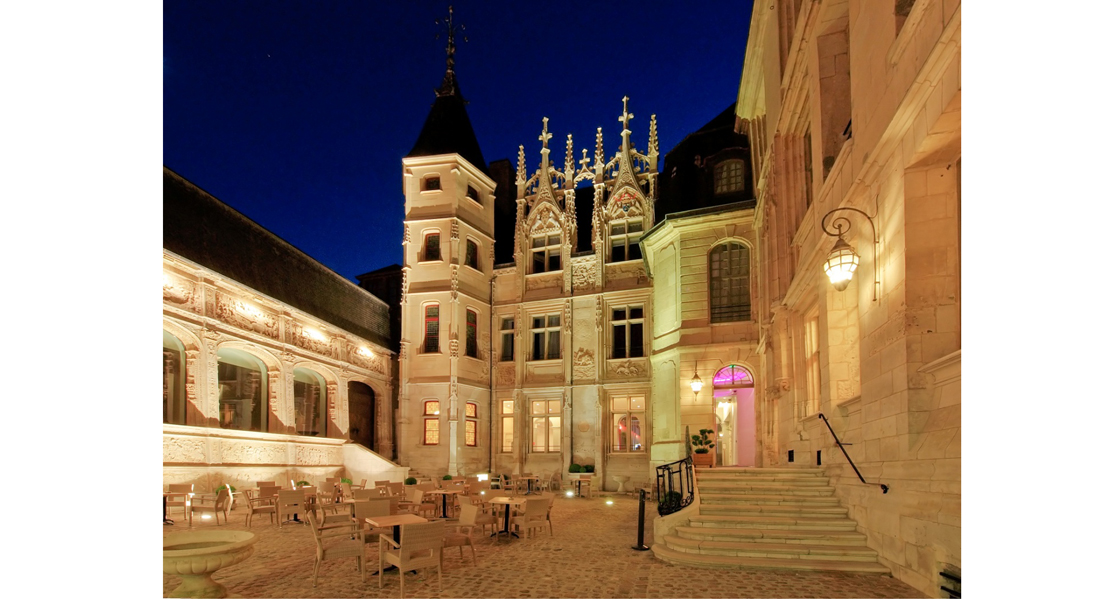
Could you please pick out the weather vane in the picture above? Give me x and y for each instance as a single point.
(451, 30)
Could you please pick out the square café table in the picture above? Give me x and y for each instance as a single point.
(395, 521)
(507, 501)
(444, 493)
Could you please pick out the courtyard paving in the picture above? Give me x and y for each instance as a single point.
(590, 555)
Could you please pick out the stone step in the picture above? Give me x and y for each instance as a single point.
(772, 536)
(707, 508)
(760, 477)
(667, 554)
(800, 482)
(768, 499)
(766, 522)
(772, 550)
(751, 471)
(772, 490)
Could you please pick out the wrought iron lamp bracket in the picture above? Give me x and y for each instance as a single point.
(843, 225)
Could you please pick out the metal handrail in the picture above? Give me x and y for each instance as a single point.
(675, 486)
(885, 488)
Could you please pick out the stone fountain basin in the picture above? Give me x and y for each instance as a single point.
(195, 555)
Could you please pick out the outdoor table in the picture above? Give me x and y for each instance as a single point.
(530, 479)
(395, 521)
(444, 493)
(507, 501)
(167, 521)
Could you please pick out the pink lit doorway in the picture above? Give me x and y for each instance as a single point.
(735, 416)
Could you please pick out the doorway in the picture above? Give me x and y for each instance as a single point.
(735, 415)
(361, 414)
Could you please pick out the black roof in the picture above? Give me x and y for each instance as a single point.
(448, 129)
(201, 228)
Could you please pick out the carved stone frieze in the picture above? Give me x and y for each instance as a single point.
(454, 283)
(629, 368)
(299, 337)
(181, 293)
(567, 319)
(454, 348)
(183, 450)
(625, 271)
(584, 364)
(543, 281)
(234, 312)
(317, 455)
(506, 375)
(368, 360)
(252, 452)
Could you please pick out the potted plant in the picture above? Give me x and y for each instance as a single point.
(703, 444)
(575, 468)
(410, 481)
(447, 478)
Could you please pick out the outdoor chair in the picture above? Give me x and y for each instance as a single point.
(421, 547)
(461, 533)
(482, 518)
(367, 494)
(179, 496)
(344, 540)
(555, 481)
(204, 504)
(290, 502)
(260, 502)
(326, 497)
(421, 506)
(534, 516)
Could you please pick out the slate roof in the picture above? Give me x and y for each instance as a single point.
(201, 228)
(448, 130)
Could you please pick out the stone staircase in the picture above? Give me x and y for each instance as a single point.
(769, 519)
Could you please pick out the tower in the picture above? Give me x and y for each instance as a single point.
(446, 291)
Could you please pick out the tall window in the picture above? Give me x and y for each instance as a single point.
(813, 365)
(431, 422)
(624, 240)
(507, 339)
(431, 328)
(546, 337)
(310, 412)
(546, 426)
(546, 253)
(173, 363)
(729, 283)
(729, 177)
(242, 391)
(627, 339)
(471, 253)
(471, 424)
(507, 412)
(471, 333)
(628, 424)
(431, 247)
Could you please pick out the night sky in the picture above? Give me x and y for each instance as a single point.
(297, 114)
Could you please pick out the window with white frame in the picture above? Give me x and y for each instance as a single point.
(471, 424)
(729, 283)
(813, 365)
(628, 424)
(546, 253)
(545, 426)
(729, 177)
(624, 239)
(507, 424)
(627, 337)
(431, 422)
(546, 337)
(507, 339)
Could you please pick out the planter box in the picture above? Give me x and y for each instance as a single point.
(703, 460)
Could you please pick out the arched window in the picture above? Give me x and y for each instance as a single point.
(242, 391)
(310, 408)
(732, 376)
(729, 177)
(729, 283)
(174, 366)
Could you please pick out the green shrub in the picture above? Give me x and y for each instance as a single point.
(447, 478)
(672, 498)
(702, 442)
(222, 487)
(410, 481)
(575, 468)
(301, 483)
(345, 480)
(589, 468)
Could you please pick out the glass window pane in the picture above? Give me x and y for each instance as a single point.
(471, 433)
(618, 228)
(507, 353)
(240, 396)
(553, 406)
(538, 407)
(471, 410)
(555, 434)
(618, 342)
(538, 322)
(507, 406)
(635, 226)
(538, 434)
(636, 441)
(637, 403)
(431, 407)
(554, 240)
(506, 434)
(431, 431)
(538, 242)
(636, 312)
(553, 346)
(553, 320)
(508, 323)
(620, 434)
(555, 261)
(637, 340)
(618, 314)
(537, 348)
(620, 404)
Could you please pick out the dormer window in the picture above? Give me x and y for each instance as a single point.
(431, 183)
(625, 236)
(471, 193)
(546, 253)
(729, 177)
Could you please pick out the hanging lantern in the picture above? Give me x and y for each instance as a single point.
(841, 264)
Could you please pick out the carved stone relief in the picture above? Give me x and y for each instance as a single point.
(543, 282)
(181, 293)
(249, 452)
(232, 311)
(183, 450)
(506, 375)
(623, 271)
(300, 338)
(316, 455)
(629, 368)
(584, 274)
(584, 364)
(454, 283)
(371, 361)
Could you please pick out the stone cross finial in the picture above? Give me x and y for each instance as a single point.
(626, 116)
(584, 158)
(546, 135)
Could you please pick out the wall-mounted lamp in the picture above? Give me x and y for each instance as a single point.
(841, 264)
(696, 383)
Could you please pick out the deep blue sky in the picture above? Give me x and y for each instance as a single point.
(298, 113)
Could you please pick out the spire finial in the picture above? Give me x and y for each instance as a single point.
(448, 87)
(546, 135)
(626, 116)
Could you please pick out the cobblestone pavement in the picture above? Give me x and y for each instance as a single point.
(590, 555)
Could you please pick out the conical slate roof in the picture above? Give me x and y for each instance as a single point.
(448, 127)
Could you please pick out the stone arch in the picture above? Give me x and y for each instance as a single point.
(734, 408)
(272, 415)
(191, 366)
(364, 412)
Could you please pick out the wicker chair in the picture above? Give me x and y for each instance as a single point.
(288, 503)
(179, 496)
(461, 533)
(263, 501)
(421, 547)
(534, 516)
(204, 504)
(342, 540)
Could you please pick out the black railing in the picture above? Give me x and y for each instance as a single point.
(954, 580)
(675, 486)
(839, 444)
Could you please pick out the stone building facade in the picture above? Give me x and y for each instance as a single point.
(271, 361)
(854, 107)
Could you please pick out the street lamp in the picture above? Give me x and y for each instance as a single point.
(696, 383)
(842, 261)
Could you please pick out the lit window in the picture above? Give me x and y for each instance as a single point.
(729, 177)
(545, 425)
(431, 422)
(242, 391)
(431, 247)
(729, 283)
(627, 340)
(624, 239)
(813, 366)
(546, 253)
(309, 403)
(628, 424)
(471, 333)
(507, 339)
(546, 337)
(471, 424)
(175, 401)
(431, 328)
(471, 253)
(506, 424)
